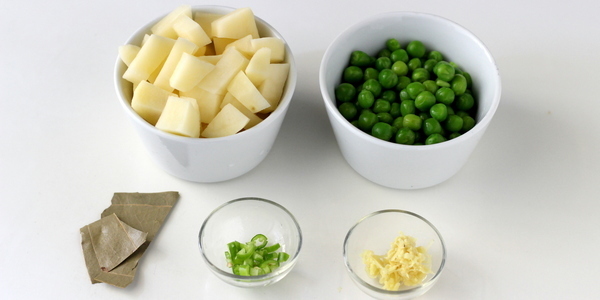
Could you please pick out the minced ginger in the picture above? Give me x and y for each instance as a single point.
(404, 265)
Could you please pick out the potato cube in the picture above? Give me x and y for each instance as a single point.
(235, 25)
(128, 52)
(253, 118)
(164, 27)
(205, 19)
(272, 87)
(181, 117)
(228, 121)
(258, 67)
(181, 46)
(244, 91)
(228, 66)
(276, 45)
(188, 72)
(221, 43)
(151, 55)
(208, 103)
(244, 45)
(187, 28)
(149, 101)
(213, 59)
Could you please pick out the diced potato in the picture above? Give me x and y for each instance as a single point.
(181, 46)
(149, 101)
(128, 52)
(221, 43)
(187, 28)
(164, 27)
(208, 103)
(181, 117)
(276, 45)
(244, 91)
(258, 67)
(253, 118)
(228, 121)
(149, 58)
(228, 66)
(205, 19)
(235, 25)
(188, 72)
(272, 87)
(244, 45)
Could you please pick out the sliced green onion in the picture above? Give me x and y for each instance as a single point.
(260, 240)
(255, 257)
(272, 248)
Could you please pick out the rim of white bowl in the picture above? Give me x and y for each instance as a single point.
(363, 283)
(282, 269)
(330, 103)
(283, 105)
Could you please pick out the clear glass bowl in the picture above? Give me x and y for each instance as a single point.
(241, 219)
(376, 232)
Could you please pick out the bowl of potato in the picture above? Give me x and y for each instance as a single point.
(206, 89)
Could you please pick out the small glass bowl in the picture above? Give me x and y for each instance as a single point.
(241, 219)
(376, 232)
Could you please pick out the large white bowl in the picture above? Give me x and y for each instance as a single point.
(214, 159)
(402, 166)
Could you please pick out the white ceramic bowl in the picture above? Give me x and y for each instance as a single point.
(376, 232)
(402, 166)
(241, 219)
(215, 159)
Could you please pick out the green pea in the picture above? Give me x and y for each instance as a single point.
(468, 78)
(430, 64)
(412, 122)
(407, 107)
(436, 55)
(424, 101)
(400, 68)
(434, 139)
(444, 71)
(345, 92)
(414, 89)
(399, 55)
(385, 117)
(353, 74)
(381, 105)
(389, 95)
(348, 110)
(420, 75)
(404, 95)
(416, 49)
(384, 53)
(453, 135)
(397, 123)
(388, 79)
(373, 86)
(405, 136)
(365, 99)
(395, 110)
(383, 63)
(430, 86)
(403, 82)
(370, 73)
(445, 95)
(392, 44)
(431, 126)
(366, 120)
(464, 102)
(424, 116)
(361, 59)
(459, 84)
(354, 123)
(439, 111)
(450, 110)
(382, 131)
(454, 123)
(414, 64)
(442, 83)
(468, 123)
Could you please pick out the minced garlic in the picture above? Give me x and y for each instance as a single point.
(404, 265)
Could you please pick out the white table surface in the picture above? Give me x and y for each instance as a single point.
(520, 219)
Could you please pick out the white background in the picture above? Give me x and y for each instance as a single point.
(520, 219)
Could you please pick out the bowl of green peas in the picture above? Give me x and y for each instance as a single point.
(409, 96)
